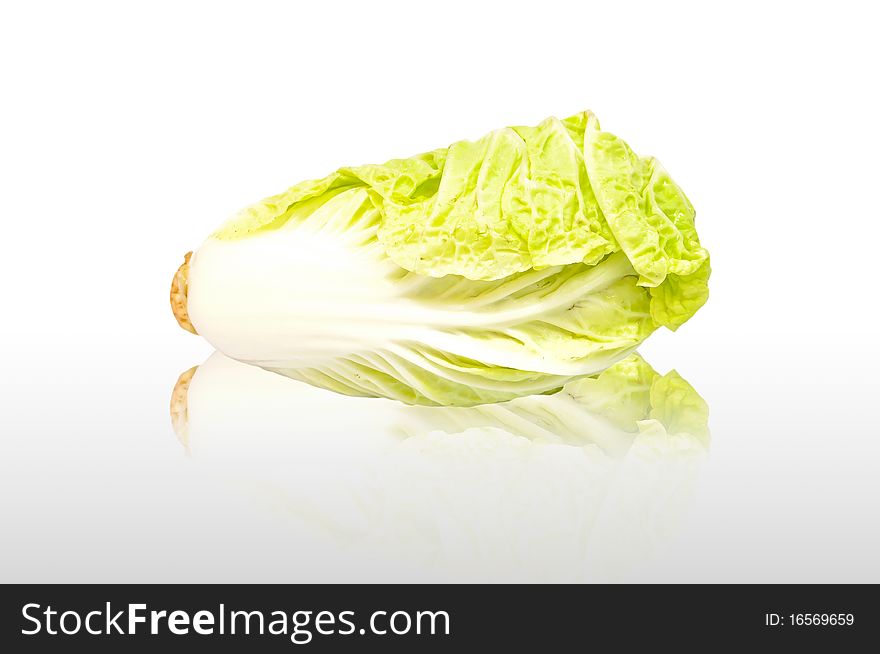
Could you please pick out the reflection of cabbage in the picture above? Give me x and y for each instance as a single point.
(478, 273)
(569, 486)
(628, 398)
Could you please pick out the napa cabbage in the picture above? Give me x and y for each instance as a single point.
(477, 273)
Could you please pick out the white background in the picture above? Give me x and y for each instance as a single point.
(129, 131)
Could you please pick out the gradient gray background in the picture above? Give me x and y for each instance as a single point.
(129, 133)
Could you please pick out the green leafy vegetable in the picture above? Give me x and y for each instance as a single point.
(477, 273)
